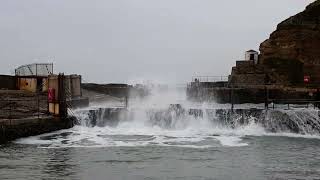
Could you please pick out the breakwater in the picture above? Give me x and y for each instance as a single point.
(301, 121)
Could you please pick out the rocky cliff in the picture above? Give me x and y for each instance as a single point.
(291, 54)
(296, 38)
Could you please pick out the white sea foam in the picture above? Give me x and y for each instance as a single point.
(125, 136)
(154, 136)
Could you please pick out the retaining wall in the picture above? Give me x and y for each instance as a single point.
(11, 129)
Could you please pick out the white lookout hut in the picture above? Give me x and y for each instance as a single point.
(252, 55)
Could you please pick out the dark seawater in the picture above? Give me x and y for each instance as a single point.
(263, 157)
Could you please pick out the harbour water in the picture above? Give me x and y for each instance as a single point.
(183, 147)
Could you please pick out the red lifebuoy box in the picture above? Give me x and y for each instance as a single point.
(51, 95)
(306, 79)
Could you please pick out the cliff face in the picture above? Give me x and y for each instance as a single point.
(289, 56)
(296, 38)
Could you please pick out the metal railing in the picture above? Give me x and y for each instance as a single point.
(288, 103)
(209, 78)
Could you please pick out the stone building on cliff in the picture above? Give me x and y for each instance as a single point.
(290, 57)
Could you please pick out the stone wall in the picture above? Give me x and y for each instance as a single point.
(247, 73)
(243, 79)
(248, 94)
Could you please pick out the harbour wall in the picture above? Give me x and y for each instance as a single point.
(11, 129)
(248, 94)
(301, 121)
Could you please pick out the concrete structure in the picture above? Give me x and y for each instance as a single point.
(36, 101)
(28, 83)
(11, 129)
(68, 86)
(57, 95)
(253, 82)
(252, 55)
(73, 85)
(277, 119)
(24, 113)
(248, 71)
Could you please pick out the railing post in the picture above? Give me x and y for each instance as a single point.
(231, 98)
(272, 104)
(38, 105)
(266, 98)
(126, 101)
(10, 112)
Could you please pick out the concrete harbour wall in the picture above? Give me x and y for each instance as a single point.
(11, 129)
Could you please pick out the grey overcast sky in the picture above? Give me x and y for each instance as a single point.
(133, 40)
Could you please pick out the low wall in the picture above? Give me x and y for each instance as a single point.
(116, 90)
(253, 95)
(7, 82)
(11, 129)
(80, 102)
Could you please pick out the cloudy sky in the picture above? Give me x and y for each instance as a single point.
(134, 40)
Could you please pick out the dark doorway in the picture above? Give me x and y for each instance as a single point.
(252, 57)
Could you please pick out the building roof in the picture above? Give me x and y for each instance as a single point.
(251, 50)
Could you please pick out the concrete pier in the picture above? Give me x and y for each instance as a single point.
(11, 129)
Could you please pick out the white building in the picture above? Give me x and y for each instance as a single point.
(252, 55)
